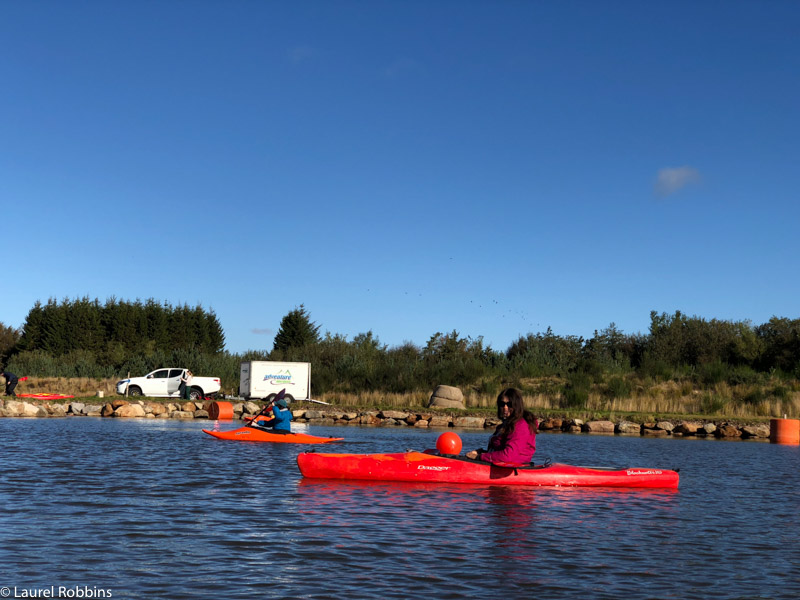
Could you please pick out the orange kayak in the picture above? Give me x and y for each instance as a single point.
(251, 434)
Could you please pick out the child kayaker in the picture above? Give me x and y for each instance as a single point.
(514, 440)
(281, 416)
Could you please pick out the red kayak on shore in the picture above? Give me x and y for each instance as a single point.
(429, 467)
(253, 434)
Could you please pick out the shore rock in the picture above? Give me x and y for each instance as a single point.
(182, 414)
(728, 430)
(755, 431)
(130, 411)
(393, 414)
(628, 428)
(469, 422)
(599, 427)
(686, 428)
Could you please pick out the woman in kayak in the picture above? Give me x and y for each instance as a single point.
(514, 441)
(281, 416)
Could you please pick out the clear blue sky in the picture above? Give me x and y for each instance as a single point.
(404, 167)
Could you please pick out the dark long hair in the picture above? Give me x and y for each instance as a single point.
(518, 412)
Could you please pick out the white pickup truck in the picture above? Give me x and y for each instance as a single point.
(165, 383)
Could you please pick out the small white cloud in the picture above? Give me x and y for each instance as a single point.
(262, 331)
(672, 179)
(300, 54)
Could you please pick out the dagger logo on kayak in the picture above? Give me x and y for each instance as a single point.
(427, 468)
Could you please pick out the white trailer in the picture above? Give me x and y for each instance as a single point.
(260, 380)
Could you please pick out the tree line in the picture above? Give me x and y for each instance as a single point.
(85, 338)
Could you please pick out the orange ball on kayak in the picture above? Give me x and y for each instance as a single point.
(448, 443)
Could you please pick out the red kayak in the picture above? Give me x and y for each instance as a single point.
(429, 467)
(252, 434)
(45, 396)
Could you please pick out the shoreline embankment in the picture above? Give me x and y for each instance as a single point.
(416, 417)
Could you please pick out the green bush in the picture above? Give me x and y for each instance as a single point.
(618, 387)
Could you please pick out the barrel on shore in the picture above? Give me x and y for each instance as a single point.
(220, 410)
(784, 431)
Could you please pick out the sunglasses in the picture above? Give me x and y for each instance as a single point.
(504, 403)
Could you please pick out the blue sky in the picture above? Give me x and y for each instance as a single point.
(496, 168)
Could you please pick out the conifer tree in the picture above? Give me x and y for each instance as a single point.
(296, 330)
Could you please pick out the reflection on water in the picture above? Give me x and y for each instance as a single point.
(157, 509)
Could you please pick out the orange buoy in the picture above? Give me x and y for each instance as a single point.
(448, 443)
(220, 410)
(784, 431)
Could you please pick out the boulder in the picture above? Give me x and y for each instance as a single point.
(446, 396)
(58, 410)
(470, 422)
(654, 432)
(200, 414)
(665, 425)
(182, 414)
(599, 427)
(755, 431)
(251, 408)
(388, 422)
(686, 428)
(13, 408)
(155, 408)
(93, 410)
(31, 410)
(708, 428)
(551, 424)
(728, 430)
(108, 410)
(115, 404)
(299, 414)
(76, 408)
(421, 423)
(628, 428)
(440, 421)
(393, 414)
(130, 411)
(448, 392)
(369, 418)
(188, 407)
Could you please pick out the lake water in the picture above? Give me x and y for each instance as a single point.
(157, 509)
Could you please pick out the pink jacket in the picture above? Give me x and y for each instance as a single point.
(519, 448)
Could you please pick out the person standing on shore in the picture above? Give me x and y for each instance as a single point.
(514, 440)
(186, 381)
(11, 383)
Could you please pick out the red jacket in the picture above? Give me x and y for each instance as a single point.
(519, 446)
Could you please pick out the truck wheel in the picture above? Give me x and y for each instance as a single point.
(270, 398)
(288, 398)
(196, 394)
(134, 390)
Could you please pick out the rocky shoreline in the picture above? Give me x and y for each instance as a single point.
(386, 418)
